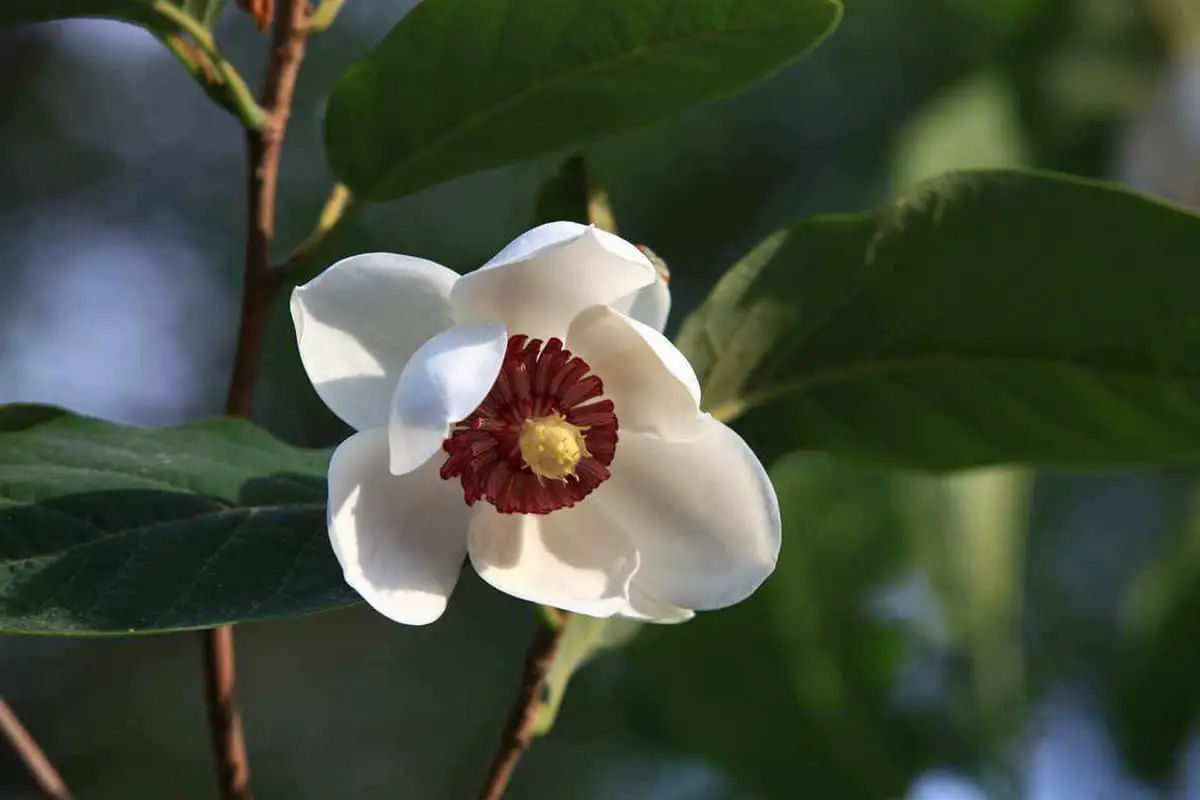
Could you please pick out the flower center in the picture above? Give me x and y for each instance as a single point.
(541, 440)
(552, 447)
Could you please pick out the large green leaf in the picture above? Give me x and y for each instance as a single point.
(108, 529)
(985, 317)
(158, 15)
(460, 86)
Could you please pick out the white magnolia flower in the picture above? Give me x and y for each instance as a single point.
(518, 416)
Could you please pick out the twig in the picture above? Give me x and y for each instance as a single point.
(518, 730)
(338, 207)
(220, 80)
(199, 54)
(48, 781)
(259, 284)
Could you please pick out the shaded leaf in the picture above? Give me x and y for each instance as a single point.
(108, 529)
(460, 86)
(983, 318)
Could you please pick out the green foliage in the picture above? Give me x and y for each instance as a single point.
(789, 688)
(162, 16)
(108, 529)
(460, 86)
(982, 318)
(801, 684)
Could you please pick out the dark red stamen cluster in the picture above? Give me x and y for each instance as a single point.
(534, 381)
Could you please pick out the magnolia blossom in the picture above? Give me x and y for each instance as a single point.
(530, 416)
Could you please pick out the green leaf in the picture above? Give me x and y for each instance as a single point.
(794, 686)
(162, 16)
(983, 318)
(460, 86)
(108, 529)
(584, 639)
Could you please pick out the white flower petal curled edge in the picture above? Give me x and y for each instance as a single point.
(531, 416)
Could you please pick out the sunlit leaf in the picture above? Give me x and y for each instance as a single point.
(460, 86)
(983, 318)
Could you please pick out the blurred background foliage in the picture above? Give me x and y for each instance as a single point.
(999, 633)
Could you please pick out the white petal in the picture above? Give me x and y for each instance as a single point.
(570, 559)
(537, 284)
(400, 540)
(357, 324)
(650, 305)
(653, 387)
(446, 379)
(648, 609)
(702, 514)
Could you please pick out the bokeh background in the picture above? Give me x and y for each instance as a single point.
(1002, 633)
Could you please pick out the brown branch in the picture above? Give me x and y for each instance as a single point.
(224, 716)
(48, 781)
(518, 730)
(263, 147)
(259, 285)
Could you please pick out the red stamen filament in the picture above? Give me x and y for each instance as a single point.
(535, 383)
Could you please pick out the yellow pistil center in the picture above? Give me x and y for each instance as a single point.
(551, 446)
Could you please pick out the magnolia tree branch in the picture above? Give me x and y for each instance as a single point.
(264, 143)
(263, 148)
(50, 784)
(519, 729)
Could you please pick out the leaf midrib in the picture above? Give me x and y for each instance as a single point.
(846, 373)
(473, 121)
